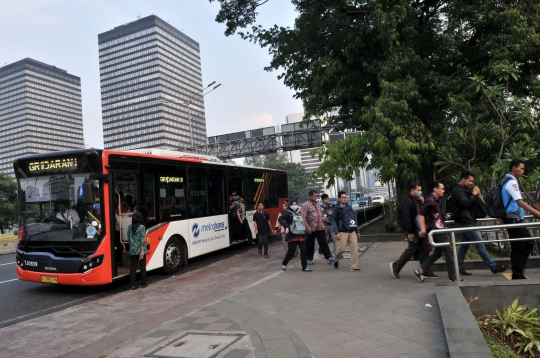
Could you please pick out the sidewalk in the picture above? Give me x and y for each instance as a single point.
(245, 306)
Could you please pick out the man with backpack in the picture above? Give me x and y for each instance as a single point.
(515, 206)
(407, 217)
(462, 208)
(328, 233)
(313, 213)
(345, 227)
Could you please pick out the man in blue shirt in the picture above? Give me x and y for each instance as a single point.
(515, 207)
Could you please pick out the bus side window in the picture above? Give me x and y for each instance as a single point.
(171, 183)
(147, 206)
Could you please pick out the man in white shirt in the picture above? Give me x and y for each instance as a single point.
(515, 207)
(68, 216)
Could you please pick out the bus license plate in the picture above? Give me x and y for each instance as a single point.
(49, 279)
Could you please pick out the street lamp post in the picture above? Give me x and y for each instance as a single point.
(188, 103)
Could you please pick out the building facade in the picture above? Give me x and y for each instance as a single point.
(151, 87)
(40, 111)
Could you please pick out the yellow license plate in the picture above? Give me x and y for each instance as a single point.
(49, 279)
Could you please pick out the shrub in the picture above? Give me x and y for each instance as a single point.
(518, 324)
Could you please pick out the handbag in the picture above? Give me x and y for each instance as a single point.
(478, 208)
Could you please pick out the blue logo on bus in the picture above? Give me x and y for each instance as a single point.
(195, 230)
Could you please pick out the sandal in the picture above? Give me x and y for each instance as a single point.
(454, 280)
(283, 268)
(307, 270)
(266, 255)
(260, 252)
(419, 276)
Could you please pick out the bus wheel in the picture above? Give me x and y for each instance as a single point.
(172, 257)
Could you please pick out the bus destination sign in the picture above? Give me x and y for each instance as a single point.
(44, 165)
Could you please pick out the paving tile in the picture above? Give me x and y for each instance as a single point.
(187, 319)
(161, 333)
(237, 353)
(332, 352)
(380, 352)
(282, 353)
(207, 320)
(218, 327)
(284, 343)
(196, 326)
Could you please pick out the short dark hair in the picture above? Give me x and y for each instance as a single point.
(324, 196)
(340, 194)
(434, 185)
(466, 174)
(311, 192)
(413, 185)
(515, 163)
(260, 203)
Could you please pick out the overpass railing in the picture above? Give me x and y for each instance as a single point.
(498, 227)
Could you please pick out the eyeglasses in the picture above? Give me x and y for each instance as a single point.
(343, 197)
(441, 188)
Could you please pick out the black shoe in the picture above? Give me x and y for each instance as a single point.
(518, 277)
(393, 270)
(260, 252)
(500, 268)
(134, 287)
(355, 270)
(430, 274)
(336, 264)
(143, 285)
(462, 272)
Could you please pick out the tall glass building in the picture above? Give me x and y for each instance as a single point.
(142, 64)
(40, 111)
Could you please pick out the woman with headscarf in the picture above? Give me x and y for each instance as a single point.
(137, 248)
(293, 240)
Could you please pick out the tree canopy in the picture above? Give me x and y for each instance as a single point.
(300, 179)
(417, 79)
(8, 193)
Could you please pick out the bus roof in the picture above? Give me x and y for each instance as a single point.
(145, 152)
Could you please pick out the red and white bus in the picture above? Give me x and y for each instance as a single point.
(184, 199)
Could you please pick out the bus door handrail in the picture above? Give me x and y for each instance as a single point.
(453, 231)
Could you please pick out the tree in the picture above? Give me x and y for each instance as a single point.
(8, 194)
(300, 179)
(398, 72)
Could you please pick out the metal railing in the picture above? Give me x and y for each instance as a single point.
(498, 227)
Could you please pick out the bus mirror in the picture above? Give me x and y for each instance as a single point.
(88, 193)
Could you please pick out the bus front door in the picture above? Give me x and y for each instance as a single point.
(124, 202)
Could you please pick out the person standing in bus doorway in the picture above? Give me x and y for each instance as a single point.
(235, 221)
(261, 221)
(313, 214)
(328, 233)
(137, 249)
(246, 230)
(345, 227)
(286, 219)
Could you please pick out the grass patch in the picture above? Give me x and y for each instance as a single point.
(499, 349)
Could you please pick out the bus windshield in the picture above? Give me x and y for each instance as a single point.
(53, 218)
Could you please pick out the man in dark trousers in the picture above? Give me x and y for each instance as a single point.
(515, 206)
(462, 204)
(313, 215)
(261, 222)
(408, 212)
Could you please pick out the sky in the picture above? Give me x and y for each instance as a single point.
(64, 33)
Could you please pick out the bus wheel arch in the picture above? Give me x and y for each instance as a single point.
(174, 255)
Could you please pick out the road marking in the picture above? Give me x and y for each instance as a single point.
(9, 263)
(15, 279)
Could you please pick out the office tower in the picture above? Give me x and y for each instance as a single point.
(40, 111)
(303, 157)
(141, 64)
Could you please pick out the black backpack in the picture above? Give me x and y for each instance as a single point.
(494, 201)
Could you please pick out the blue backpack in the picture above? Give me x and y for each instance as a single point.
(298, 227)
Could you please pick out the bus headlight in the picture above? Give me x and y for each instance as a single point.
(91, 263)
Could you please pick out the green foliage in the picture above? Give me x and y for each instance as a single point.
(498, 349)
(430, 87)
(519, 324)
(8, 188)
(300, 180)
